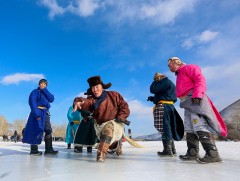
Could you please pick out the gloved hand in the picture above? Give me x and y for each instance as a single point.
(150, 98)
(71, 123)
(196, 101)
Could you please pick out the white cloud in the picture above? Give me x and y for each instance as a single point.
(204, 37)
(207, 36)
(53, 6)
(139, 110)
(19, 77)
(158, 11)
(78, 7)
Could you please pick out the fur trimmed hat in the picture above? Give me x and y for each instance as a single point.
(175, 60)
(95, 80)
(89, 92)
(43, 80)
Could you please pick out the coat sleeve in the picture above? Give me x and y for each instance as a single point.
(33, 99)
(69, 114)
(48, 95)
(123, 109)
(199, 81)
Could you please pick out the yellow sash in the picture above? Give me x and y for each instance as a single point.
(162, 102)
(76, 121)
(41, 107)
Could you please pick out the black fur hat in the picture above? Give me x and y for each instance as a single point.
(95, 80)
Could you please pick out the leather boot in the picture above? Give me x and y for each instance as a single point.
(89, 149)
(167, 149)
(174, 149)
(116, 147)
(193, 147)
(48, 146)
(34, 150)
(78, 149)
(69, 146)
(209, 146)
(102, 151)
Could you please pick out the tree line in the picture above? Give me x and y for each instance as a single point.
(59, 130)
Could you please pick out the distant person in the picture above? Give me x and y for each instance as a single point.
(39, 120)
(201, 117)
(166, 119)
(86, 134)
(130, 133)
(109, 111)
(15, 136)
(74, 119)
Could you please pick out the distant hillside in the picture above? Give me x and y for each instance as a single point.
(231, 116)
(151, 137)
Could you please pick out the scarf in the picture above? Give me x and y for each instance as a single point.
(99, 100)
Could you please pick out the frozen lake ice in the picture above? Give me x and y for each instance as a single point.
(135, 164)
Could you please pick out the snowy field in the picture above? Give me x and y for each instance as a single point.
(135, 164)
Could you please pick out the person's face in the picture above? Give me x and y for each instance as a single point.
(42, 85)
(173, 67)
(97, 90)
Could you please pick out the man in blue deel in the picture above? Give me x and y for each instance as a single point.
(39, 120)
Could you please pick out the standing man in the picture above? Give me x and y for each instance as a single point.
(39, 120)
(166, 119)
(109, 111)
(201, 117)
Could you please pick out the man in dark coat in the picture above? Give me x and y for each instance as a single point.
(166, 119)
(39, 120)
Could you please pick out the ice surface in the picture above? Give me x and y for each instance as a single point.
(135, 164)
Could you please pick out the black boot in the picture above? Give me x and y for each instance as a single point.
(174, 149)
(193, 147)
(34, 150)
(48, 146)
(167, 149)
(209, 146)
(78, 149)
(89, 149)
(69, 146)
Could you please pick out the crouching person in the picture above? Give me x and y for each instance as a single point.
(109, 111)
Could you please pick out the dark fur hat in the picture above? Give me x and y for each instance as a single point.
(95, 80)
(89, 92)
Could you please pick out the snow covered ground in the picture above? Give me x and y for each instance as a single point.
(135, 164)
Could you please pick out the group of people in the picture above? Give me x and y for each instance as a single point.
(201, 118)
(101, 116)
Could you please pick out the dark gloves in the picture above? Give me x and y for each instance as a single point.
(196, 101)
(72, 123)
(150, 98)
(86, 114)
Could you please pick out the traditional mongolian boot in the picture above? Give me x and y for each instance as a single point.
(89, 149)
(193, 147)
(102, 151)
(116, 147)
(34, 150)
(174, 149)
(209, 146)
(69, 146)
(78, 149)
(167, 149)
(48, 146)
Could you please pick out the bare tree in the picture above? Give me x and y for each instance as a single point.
(18, 125)
(3, 126)
(59, 130)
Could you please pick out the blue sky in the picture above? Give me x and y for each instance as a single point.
(126, 42)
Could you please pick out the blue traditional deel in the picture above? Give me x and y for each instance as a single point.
(39, 102)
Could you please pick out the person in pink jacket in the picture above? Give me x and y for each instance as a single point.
(201, 118)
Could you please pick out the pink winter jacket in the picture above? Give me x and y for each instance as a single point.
(190, 77)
